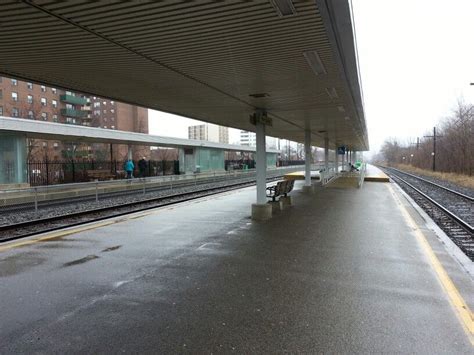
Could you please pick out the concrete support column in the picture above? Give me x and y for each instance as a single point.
(261, 164)
(326, 153)
(261, 210)
(307, 161)
(336, 157)
(130, 155)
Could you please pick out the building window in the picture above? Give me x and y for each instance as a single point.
(97, 112)
(29, 99)
(55, 118)
(104, 103)
(69, 107)
(15, 96)
(105, 127)
(112, 110)
(105, 111)
(55, 145)
(54, 103)
(15, 112)
(1, 93)
(45, 144)
(112, 118)
(54, 91)
(112, 127)
(112, 103)
(105, 119)
(97, 104)
(43, 88)
(43, 101)
(14, 82)
(1, 110)
(44, 116)
(31, 115)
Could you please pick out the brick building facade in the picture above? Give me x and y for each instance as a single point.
(23, 99)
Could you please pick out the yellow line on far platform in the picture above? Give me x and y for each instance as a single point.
(462, 309)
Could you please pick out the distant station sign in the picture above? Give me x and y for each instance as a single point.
(341, 150)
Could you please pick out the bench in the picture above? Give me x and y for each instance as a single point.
(282, 188)
(100, 175)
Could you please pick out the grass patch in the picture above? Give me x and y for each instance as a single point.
(458, 179)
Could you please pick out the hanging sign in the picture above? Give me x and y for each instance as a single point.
(341, 150)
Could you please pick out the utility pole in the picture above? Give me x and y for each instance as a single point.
(434, 136)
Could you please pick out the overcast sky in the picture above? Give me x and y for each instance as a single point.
(416, 59)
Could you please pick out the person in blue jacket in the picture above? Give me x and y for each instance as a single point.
(129, 166)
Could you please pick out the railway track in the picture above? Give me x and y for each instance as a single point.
(53, 223)
(23, 207)
(452, 210)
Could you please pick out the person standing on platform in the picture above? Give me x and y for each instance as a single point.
(129, 166)
(142, 165)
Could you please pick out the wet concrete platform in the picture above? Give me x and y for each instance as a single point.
(340, 271)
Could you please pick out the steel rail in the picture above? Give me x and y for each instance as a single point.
(115, 194)
(459, 220)
(434, 184)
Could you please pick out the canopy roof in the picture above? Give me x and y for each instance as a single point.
(83, 134)
(213, 61)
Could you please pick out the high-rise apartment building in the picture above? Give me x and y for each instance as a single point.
(209, 132)
(39, 102)
(250, 139)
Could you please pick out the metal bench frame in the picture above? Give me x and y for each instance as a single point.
(281, 188)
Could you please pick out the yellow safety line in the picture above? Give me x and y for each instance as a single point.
(462, 309)
(63, 233)
(54, 235)
(118, 219)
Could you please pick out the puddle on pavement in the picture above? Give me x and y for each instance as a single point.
(111, 248)
(16, 264)
(81, 261)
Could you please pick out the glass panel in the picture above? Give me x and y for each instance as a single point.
(271, 160)
(12, 159)
(211, 159)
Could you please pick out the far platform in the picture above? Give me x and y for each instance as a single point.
(374, 174)
(299, 175)
(340, 271)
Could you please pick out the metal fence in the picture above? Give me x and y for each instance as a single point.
(71, 171)
(46, 172)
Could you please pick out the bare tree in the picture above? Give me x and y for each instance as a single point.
(454, 146)
(32, 111)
